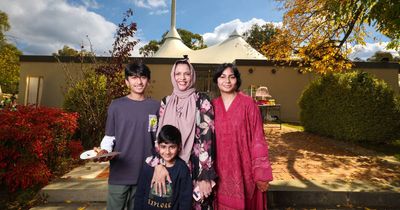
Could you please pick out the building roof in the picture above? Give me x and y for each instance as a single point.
(173, 46)
(235, 47)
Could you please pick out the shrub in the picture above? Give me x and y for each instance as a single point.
(33, 143)
(91, 94)
(352, 106)
(8, 101)
(397, 102)
(88, 97)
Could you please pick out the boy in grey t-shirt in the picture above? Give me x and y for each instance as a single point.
(131, 126)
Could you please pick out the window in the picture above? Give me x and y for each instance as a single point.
(33, 93)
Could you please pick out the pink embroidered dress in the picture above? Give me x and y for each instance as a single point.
(242, 154)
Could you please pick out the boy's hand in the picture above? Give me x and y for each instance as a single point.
(99, 152)
(262, 186)
(205, 188)
(160, 175)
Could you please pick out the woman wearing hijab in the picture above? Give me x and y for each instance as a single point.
(242, 161)
(191, 112)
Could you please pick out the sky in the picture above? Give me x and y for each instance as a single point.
(42, 27)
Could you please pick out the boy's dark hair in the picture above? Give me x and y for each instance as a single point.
(169, 134)
(221, 68)
(138, 69)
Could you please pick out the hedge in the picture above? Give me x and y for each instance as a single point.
(352, 106)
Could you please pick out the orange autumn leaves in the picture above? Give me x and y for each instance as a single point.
(318, 34)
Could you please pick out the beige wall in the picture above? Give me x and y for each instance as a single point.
(285, 86)
(160, 85)
(54, 80)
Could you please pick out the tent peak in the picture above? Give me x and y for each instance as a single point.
(235, 33)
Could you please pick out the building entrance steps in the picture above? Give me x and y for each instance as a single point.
(79, 185)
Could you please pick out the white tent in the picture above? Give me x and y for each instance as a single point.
(235, 47)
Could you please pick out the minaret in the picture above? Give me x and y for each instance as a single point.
(173, 33)
(173, 14)
(173, 46)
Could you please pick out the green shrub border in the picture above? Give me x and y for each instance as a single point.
(352, 106)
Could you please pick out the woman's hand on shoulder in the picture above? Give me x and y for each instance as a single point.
(160, 176)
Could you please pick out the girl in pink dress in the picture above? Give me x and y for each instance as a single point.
(242, 152)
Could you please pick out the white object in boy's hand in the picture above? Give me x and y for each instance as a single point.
(196, 192)
(88, 154)
(91, 154)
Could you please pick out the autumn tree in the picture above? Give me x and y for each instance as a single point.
(385, 16)
(150, 48)
(68, 51)
(9, 59)
(258, 36)
(190, 39)
(319, 33)
(91, 90)
(4, 26)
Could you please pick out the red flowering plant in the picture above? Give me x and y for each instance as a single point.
(33, 142)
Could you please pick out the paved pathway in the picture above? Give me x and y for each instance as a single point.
(309, 172)
(313, 171)
(306, 157)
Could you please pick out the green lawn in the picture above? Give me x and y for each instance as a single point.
(296, 126)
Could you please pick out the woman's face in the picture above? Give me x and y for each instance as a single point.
(182, 76)
(227, 81)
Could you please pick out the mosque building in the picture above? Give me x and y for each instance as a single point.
(43, 78)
